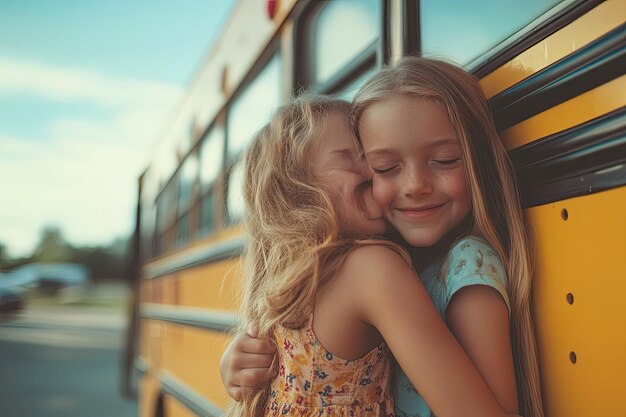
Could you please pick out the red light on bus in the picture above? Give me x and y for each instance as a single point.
(271, 8)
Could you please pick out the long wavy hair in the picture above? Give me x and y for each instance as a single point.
(496, 211)
(295, 241)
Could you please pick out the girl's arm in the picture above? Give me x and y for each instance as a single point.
(246, 363)
(479, 319)
(390, 298)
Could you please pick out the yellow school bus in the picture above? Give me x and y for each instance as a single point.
(554, 72)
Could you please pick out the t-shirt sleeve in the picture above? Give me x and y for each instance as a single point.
(472, 261)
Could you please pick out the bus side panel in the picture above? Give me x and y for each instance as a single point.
(149, 391)
(189, 354)
(175, 409)
(151, 353)
(578, 110)
(193, 355)
(217, 286)
(579, 303)
(214, 286)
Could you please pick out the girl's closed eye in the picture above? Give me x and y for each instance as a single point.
(384, 170)
(447, 161)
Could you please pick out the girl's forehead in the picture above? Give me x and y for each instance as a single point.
(408, 120)
(334, 135)
(388, 109)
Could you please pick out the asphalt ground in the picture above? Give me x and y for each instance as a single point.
(63, 361)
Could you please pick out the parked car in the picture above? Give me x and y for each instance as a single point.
(48, 277)
(11, 298)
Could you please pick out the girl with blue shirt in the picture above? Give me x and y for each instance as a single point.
(445, 184)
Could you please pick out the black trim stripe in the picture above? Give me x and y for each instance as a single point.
(384, 51)
(511, 48)
(585, 159)
(411, 37)
(191, 316)
(595, 64)
(190, 398)
(194, 257)
(304, 13)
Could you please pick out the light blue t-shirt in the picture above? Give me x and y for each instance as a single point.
(471, 261)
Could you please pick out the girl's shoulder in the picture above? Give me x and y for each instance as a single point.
(475, 247)
(373, 259)
(473, 261)
(370, 251)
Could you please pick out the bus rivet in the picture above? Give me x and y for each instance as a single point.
(570, 298)
(572, 357)
(564, 214)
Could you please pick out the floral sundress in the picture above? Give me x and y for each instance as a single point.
(312, 382)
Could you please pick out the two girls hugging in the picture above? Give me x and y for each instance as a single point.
(388, 267)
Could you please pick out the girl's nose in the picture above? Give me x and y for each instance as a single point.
(417, 183)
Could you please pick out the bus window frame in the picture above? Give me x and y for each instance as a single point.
(272, 50)
(210, 190)
(540, 28)
(214, 187)
(375, 55)
(193, 196)
(196, 195)
(169, 225)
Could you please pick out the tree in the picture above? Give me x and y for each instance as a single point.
(52, 246)
(3, 254)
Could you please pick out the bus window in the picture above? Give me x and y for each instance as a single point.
(211, 162)
(463, 30)
(207, 214)
(187, 178)
(148, 190)
(249, 112)
(235, 206)
(335, 43)
(182, 230)
(166, 213)
(349, 91)
(252, 108)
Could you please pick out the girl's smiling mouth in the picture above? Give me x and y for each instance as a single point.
(420, 212)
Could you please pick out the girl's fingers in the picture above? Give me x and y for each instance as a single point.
(235, 392)
(258, 346)
(251, 378)
(251, 360)
(238, 393)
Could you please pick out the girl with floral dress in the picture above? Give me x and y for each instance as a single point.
(446, 186)
(335, 299)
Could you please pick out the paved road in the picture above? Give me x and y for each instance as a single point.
(62, 362)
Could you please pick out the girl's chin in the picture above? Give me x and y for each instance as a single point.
(421, 241)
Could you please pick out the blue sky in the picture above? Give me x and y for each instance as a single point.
(85, 87)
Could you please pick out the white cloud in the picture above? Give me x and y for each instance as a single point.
(88, 189)
(81, 174)
(64, 84)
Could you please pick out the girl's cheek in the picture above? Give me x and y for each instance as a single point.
(373, 210)
(382, 192)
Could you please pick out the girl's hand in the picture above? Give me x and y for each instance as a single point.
(246, 363)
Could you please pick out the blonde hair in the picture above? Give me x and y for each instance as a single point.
(294, 239)
(496, 211)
